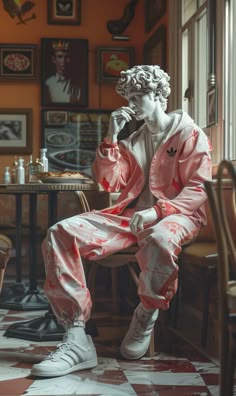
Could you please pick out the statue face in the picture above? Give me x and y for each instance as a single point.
(143, 104)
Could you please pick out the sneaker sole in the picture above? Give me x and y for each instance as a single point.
(81, 366)
(130, 357)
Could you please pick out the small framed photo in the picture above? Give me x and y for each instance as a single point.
(154, 51)
(64, 72)
(111, 61)
(18, 62)
(153, 12)
(212, 113)
(64, 12)
(15, 131)
(56, 118)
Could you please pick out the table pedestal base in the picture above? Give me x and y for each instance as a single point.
(45, 328)
(16, 290)
(30, 300)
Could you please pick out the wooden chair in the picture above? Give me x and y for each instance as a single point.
(5, 252)
(199, 260)
(223, 208)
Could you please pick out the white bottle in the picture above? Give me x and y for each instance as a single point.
(7, 175)
(44, 159)
(20, 172)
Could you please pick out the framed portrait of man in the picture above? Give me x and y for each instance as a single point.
(64, 72)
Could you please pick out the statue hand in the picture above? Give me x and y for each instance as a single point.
(139, 219)
(117, 122)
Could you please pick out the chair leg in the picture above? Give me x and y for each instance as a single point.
(224, 357)
(231, 366)
(115, 294)
(205, 311)
(205, 306)
(151, 349)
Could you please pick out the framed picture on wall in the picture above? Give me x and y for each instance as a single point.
(64, 12)
(64, 72)
(71, 137)
(111, 61)
(15, 131)
(18, 62)
(153, 12)
(154, 51)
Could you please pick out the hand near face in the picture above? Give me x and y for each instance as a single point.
(141, 218)
(117, 122)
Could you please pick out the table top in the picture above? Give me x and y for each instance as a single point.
(47, 187)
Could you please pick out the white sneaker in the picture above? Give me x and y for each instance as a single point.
(136, 341)
(67, 358)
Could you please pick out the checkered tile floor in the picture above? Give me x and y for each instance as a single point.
(181, 371)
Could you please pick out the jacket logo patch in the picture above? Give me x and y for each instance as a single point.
(171, 152)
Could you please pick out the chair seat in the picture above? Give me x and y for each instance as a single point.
(120, 258)
(200, 253)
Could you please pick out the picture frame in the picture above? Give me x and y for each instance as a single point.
(154, 50)
(18, 62)
(64, 72)
(153, 12)
(111, 61)
(56, 117)
(212, 113)
(72, 145)
(64, 12)
(15, 131)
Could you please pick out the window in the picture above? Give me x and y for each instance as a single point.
(230, 81)
(194, 71)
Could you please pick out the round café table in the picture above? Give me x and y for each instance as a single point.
(45, 328)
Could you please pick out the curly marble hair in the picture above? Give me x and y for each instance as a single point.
(144, 79)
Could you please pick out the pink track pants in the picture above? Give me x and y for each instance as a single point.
(94, 235)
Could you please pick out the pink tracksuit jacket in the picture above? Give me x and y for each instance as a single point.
(178, 170)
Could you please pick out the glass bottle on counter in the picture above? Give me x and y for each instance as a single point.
(44, 159)
(13, 171)
(7, 175)
(35, 168)
(27, 169)
(20, 172)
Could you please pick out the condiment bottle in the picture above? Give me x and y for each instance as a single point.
(13, 171)
(7, 175)
(20, 172)
(44, 159)
(27, 169)
(35, 168)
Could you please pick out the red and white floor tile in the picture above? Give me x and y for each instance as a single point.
(183, 372)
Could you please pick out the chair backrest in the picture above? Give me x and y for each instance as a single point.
(222, 201)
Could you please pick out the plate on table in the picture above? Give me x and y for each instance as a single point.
(64, 177)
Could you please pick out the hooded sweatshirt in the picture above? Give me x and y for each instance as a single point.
(172, 172)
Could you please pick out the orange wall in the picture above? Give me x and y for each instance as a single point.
(95, 15)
